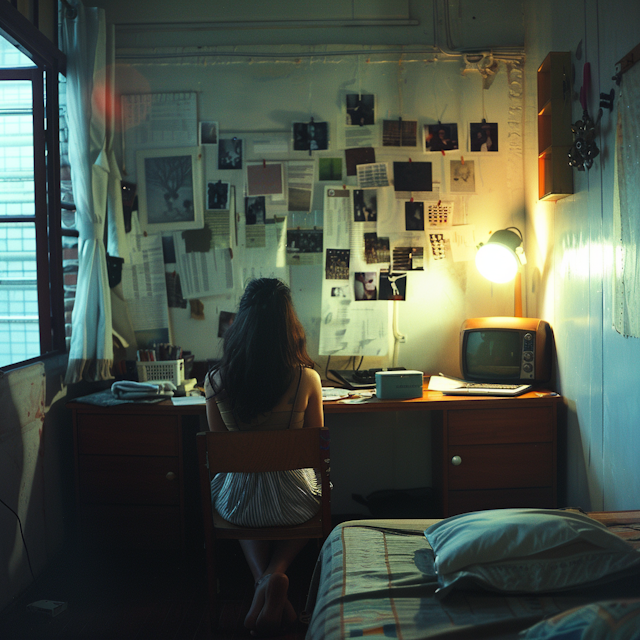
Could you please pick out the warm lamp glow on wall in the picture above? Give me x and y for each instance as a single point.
(499, 260)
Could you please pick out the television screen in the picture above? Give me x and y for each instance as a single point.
(494, 354)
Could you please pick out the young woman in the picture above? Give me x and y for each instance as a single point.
(266, 381)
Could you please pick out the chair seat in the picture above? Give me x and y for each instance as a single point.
(312, 528)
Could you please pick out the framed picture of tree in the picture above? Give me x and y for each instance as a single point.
(170, 191)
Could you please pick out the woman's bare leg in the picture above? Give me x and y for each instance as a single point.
(269, 563)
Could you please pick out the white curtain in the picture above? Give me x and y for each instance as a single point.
(626, 209)
(84, 42)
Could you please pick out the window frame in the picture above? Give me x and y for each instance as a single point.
(50, 63)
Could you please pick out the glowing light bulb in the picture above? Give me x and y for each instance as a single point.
(496, 262)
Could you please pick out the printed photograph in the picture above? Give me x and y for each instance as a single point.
(225, 321)
(412, 176)
(167, 193)
(483, 136)
(408, 259)
(414, 216)
(337, 264)
(440, 137)
(208, 133)
(358, 155)
(360, 109)
(364, 205)
(304, 240)
(217, 195)
(462, 176)
(393, 286)
(310, 136)
(376, 249)
(340, 292)
(399, 133)
(255, 210)
(365, 285)
(329, 169)
(229, 153)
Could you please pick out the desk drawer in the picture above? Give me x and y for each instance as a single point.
(487, 426)
(129, 480)
(501, 466)
(533, 498)
(127, 434)
(131, 527)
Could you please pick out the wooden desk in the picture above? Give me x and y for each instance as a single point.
(136, 471)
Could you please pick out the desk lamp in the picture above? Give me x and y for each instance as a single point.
(500, 258)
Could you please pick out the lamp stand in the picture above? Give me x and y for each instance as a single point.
(517, 295)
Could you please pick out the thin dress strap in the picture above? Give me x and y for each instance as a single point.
(295, 398)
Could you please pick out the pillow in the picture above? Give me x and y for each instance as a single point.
(526, 551)
(608, 620)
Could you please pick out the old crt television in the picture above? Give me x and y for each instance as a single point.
(506, 350)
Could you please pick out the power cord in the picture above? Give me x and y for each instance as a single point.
(24, 542)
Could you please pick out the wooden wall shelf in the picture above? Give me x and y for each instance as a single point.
(555, 175)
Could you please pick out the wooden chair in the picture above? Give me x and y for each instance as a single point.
(258, 451)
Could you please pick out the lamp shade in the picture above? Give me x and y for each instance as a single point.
(497, 259)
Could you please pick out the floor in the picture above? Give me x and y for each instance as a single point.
(140, 595)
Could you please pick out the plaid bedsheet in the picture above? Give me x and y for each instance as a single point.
(377, 578)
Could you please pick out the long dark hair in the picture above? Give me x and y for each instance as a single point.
(262, 350)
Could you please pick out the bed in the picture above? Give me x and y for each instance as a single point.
(378, 578)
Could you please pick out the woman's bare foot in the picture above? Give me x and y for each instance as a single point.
(275, 603)
(257, 603)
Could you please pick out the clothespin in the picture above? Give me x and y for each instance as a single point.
(461, 159)
(264, 163)
(442, 151)
(439, 201)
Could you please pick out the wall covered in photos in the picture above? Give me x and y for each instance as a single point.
(363, 179)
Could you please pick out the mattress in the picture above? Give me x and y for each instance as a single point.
(377, 578)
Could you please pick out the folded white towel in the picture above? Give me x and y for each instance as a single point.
(130, 390)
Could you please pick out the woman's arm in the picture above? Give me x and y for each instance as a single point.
(214, 419)
(314, 413)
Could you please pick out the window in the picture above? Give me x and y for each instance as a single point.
(31, 293)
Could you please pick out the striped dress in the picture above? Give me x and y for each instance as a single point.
(270, 498)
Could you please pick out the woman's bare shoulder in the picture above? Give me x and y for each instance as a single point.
(311, 376)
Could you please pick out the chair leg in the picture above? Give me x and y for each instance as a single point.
(212, 583)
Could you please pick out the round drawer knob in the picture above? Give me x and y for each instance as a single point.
(456, 460)
(171, 475)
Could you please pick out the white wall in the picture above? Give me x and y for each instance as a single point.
(252, 95)
(569, 246)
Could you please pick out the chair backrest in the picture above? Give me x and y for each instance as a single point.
(259, 451)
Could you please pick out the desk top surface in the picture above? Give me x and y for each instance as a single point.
(430, 401)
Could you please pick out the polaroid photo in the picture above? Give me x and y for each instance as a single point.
(218, 195)
(229, 153)
(440, 137)
(483, 136)
(360, 109)
(208, 133)
(462, 177)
